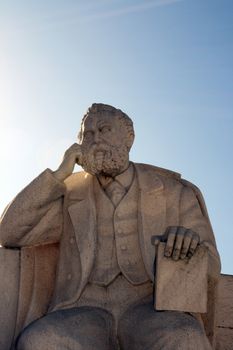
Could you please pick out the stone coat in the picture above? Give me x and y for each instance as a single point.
(48, 211)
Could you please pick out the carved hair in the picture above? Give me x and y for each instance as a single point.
(99, 109)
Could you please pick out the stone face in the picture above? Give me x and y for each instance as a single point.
(182, 285)
(104, 221)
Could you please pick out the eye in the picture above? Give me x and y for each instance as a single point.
(88, 135)
(105, 129)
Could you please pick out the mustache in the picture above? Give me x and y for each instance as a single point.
(99, 147)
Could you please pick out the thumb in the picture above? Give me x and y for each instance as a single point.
(155, 240)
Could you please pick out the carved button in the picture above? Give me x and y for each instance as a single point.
(123, 247)
(72, 240)
(69, 276)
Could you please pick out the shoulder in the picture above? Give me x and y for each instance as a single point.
(167, 176)
(157, 171)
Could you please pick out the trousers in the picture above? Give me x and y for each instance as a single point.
(117, 317)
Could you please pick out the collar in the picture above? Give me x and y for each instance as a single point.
(125, 178)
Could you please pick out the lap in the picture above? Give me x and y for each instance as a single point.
(141, 327)
(71, 329)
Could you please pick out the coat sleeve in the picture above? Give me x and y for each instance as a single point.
(35, 215)
(193, 215)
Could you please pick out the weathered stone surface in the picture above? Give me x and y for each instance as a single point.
(10, 259)
(9, 291)
(224, 339)
(224, 319)
(224, 331)
(225, 302)
(37, 279)
(182, 285)
(104, 219)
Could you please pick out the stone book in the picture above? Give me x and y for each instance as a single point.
(182, 285)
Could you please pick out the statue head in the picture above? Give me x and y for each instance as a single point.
(106, 137)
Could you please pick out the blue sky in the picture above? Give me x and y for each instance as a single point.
(167, 63)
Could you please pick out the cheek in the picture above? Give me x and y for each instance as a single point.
(112, 139)
(87, 143)
(85, 148)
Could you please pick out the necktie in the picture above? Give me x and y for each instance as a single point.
(115, 192)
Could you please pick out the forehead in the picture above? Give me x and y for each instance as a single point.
(95, 121)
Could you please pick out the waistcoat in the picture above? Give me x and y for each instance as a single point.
(118, 249)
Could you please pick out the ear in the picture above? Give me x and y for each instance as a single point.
(129, 140)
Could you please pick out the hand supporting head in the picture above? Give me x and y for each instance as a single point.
(106, 137)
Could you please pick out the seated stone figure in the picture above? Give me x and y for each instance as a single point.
(104, 218)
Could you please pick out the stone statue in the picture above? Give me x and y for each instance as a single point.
(105, 218)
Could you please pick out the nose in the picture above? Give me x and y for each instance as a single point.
(96, 137)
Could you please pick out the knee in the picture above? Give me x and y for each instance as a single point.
(186, 325)
(67, 329)
(193, 334)
(183, 331)
(167, 329)
(31, 339)
(38, 335)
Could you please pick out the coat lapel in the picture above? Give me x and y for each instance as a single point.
(151, 212)
(151, 217)
(82, 212)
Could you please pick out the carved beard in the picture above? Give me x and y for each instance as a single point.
(105, 159)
